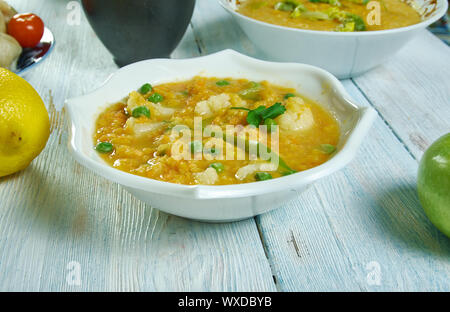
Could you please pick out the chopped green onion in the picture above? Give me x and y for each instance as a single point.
(263, 176)
(252, 92)
(258, 4)
(243, 108)
(271, 124)
(346, 27)
(273, 111)
(156, 98)
(196, 147)
(359, 22)
(330, 2)
(140, 111)
(289, 95)
(104, 147)
(218, 166)
(162, 149)
(222, 83)
(287, 6)
(327, 148)
(146, 88)
(213, 151)
(315, 15)
(282, 165)
(360, 1)
(254, 116)
(349, 21)
(298, 11)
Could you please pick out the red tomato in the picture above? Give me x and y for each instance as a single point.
(27, 29)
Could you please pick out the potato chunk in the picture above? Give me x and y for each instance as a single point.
(142, 128)
(135, 99)
(298, 116)
(213, 105)
(161, 111)
(208, 177)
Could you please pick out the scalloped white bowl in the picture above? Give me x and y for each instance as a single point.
(228, 202)
(344, 54)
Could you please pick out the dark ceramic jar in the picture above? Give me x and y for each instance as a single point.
(134, 30)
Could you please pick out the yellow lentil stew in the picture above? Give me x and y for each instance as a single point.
(138, 134)
(332, 15)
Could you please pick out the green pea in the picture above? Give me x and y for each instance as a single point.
(327, 148)
(146, 88)
(254, 84)
(196, 147)
(289, 95)
(263, 176)
(156, 98)
(222, 83)
(218, 166)
(104, 147)
(271, 124)
(213, 151)
(140, 111)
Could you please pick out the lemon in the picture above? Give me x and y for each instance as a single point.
(24, 123)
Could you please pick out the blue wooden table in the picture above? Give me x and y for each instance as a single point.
(62, 228)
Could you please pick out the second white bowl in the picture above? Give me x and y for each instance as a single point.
(344, 54)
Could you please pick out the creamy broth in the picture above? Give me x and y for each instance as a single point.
(140, 132)
(330, 15)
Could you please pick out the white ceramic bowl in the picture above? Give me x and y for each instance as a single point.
(229, 202)
(344, 54)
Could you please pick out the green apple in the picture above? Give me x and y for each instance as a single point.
(433, 183)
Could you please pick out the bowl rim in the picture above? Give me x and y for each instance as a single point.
(422, 24)
(366, 116)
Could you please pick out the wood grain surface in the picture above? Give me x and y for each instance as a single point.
(360, 229)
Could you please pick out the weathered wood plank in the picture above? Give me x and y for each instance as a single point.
(367, 217)
(412, 92)
(361, 221)
(56, 212)
(215, 30)
(325, 240)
